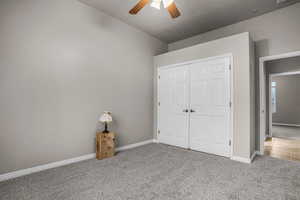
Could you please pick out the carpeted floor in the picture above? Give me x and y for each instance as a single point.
(161, 172)
(286, 132)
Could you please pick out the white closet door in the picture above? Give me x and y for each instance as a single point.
(173, 113)
(210, 109)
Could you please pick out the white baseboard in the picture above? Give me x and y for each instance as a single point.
(131, 146)
(244, 160)
(282, 124)
(23, 172)
(155, 141)
(241, 159)
(255, 153)
(259, 153)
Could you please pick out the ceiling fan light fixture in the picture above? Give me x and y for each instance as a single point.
(167, 3)
(156, 4)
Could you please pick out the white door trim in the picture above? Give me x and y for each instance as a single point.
(228, 55)
(262, 88)
(196, 61)
(284, 74)
(270, 106)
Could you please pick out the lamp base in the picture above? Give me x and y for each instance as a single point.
(105, 129)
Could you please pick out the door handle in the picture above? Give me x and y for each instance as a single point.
(192, 111)
(185, 110)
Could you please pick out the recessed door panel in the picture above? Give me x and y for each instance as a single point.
(173, 99)
(209, 102)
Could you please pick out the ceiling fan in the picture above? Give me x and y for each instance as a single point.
(168, 4)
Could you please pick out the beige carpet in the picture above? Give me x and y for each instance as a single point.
(159, 172)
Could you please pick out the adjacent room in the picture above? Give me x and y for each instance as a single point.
(283, 108)
(149, 99)
(285, 105)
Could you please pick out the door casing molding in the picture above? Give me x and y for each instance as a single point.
(262, 89)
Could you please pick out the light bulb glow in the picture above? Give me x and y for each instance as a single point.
(156, 4)
(167, 3)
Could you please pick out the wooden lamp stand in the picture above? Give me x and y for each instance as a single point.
(105, 145)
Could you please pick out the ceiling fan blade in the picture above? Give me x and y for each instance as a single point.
(141, 4)
(173, 10)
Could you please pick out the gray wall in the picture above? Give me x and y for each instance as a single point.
(273, 33)
(288, 99)
(62, 64)
(252, 97)
(242, 83)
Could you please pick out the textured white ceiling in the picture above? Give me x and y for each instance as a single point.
(198, 16)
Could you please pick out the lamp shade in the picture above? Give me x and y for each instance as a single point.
(106, 117)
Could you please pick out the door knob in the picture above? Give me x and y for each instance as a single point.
(192, 111)
(185, 110)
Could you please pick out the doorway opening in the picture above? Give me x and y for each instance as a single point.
(280, 106)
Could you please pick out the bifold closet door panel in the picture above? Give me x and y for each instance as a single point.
(210, 110)
(173, 109)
